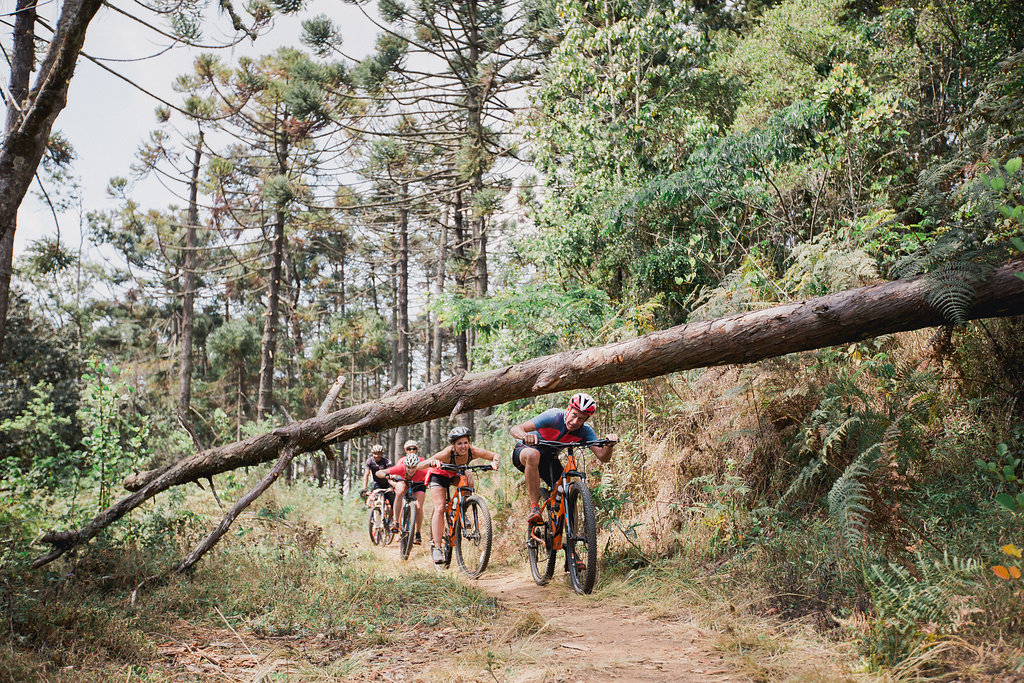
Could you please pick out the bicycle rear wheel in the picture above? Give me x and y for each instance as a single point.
(542, 560)
(581, 538)
(473, 540)
(406, 530)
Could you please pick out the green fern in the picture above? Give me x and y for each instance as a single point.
(847, 500)
(933, 594)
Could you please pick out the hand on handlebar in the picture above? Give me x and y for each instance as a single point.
(614, 438)
(531, 439)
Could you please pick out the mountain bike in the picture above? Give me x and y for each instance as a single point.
(467, 524)
(380, 511)
(567, 523)
(407, 523)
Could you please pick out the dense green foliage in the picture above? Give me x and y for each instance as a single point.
(686, 161)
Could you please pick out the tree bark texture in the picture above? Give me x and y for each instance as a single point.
(189, 287)
(23, 59)
(838, 318)
(268, 346)
(24, 146)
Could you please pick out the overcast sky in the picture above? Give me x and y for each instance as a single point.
(107, 119)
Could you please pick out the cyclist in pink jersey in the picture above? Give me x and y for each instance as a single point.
(564, 426)
(407, 469)
(458, 452)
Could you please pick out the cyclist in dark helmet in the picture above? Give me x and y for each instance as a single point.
(459, 451)
(564, 426)
(379, 487)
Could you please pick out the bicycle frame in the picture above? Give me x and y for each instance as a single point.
(453, 503)
(555, 504)
(558, 515)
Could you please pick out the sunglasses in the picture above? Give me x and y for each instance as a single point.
(412, 448)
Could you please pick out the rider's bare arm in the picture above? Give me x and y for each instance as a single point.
(443, 455)
(604, 453)
(486, 455)
(525, 433)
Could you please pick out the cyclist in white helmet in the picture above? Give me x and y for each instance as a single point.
(564, 426)
(459, 451)
(372, 486)
(407, 470)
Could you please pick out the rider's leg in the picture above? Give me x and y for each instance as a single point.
(437, 498)
(420, 495)
(530, 457)
(397, 507)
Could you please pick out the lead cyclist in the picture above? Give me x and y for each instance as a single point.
(555, 424)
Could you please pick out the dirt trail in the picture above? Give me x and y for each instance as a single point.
(565, 638)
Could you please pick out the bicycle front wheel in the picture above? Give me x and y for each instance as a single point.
(542, 560)
(376, 524)
(473, 540)
(406, 530)
(581, 538)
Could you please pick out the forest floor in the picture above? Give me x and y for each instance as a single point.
(541, 633)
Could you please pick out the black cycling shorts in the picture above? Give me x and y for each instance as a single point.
(418, 487)
(436, 479)
(389, 493)
(549, 467)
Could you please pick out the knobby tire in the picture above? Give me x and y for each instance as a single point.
(408, 534)
(376, 526)
(542, 560)
(473, 540)
(580, 541)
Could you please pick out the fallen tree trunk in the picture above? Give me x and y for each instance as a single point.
(838, 318)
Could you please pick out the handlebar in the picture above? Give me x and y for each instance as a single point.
(600, 443)
(462, 468)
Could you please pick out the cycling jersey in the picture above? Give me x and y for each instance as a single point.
(551, 427)
(444, 475)
(374, 465)
(418, 477)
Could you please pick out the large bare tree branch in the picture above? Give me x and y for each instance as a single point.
(742, 338)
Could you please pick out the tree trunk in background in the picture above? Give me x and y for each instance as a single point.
(401, 369)
(23, 54)
(435, 364)
(24, 144)
(295, 325)
(268, 346)
(430, 428)
(461, 266)
(742, 338)
(189, 286)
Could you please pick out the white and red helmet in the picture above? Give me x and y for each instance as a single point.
(584, 403)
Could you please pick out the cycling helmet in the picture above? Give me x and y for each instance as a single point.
(411, 444)
(377, 448)
(584, 403)
(411, 460)
(457, 433)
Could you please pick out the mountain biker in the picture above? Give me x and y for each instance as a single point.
(459, 451)
(407, 469)
(377, 461)
(555, 424)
